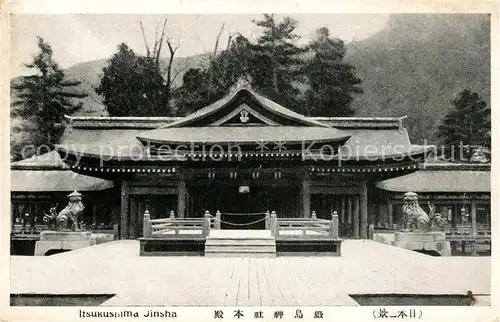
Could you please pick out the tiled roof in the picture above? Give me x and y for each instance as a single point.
(373, 140)
(48, 172)
(125, 122)
(50, 160)
(240, 135)
(54, 180)
(101, 142)
(362, 122)
(454, 181)
(369, 136)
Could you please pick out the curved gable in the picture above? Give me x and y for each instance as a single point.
(242, 103)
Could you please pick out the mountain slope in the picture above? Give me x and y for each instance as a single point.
(418, 63)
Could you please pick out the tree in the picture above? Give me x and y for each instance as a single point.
(468, 123)
(331, 81)
(45, 97)
(201, 87)
(272, 64)
(277, 60)
(134, 85)
(193, 94)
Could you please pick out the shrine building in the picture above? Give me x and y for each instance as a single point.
(243, 155)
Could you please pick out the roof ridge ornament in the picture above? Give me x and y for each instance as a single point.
(244, 82)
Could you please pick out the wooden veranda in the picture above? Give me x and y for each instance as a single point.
(187, 236)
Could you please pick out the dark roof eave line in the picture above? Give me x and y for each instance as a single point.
(336, 140)
(432, 191)
(38, 168)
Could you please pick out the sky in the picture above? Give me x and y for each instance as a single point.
(78, 38)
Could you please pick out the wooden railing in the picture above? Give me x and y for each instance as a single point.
(466, 233)
(303, 228)
(19, 229)
(285, 228)
(175, 228)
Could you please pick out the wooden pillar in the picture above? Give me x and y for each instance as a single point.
(124, 213)
(206, 223)
(146, 229)
(355, 218)
(473, 227)
(454, 216)
(12, 217)
(273, 222)
(487, 209)
(334, 226)
(188, 205)
(134, 218)
(306, 198)
(390, 212)
(379, 218)
(217, 220)
(181, 198)
(94, 213)
(342, 210)
(363, 208)
(349, 209)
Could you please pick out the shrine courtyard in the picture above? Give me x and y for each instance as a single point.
(365, 267)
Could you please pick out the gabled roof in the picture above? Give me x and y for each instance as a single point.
(362, 137)
(209, 125)
(248, 94)
(98, 136)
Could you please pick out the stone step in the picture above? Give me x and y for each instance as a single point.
(240, 238)
(270, 248)
(246, 242)
(241, 254)
(242, 243)
(239, 234)
(242, 249)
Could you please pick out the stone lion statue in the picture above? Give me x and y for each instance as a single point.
(68, 218)
(415, 218)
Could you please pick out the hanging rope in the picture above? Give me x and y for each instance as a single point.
(235, 224)
(242, 214)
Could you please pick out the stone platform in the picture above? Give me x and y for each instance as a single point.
(62, 240)
(365, 267)
(434, 241)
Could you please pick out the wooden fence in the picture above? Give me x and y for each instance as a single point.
(175, 228)
(281, 228)
(303, 228)
(465, 233)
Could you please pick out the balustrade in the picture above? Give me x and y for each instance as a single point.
(173, 227)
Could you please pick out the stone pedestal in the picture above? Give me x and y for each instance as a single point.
(428, 241)
(62, 240)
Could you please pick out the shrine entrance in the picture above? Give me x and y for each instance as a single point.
(242, 206)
